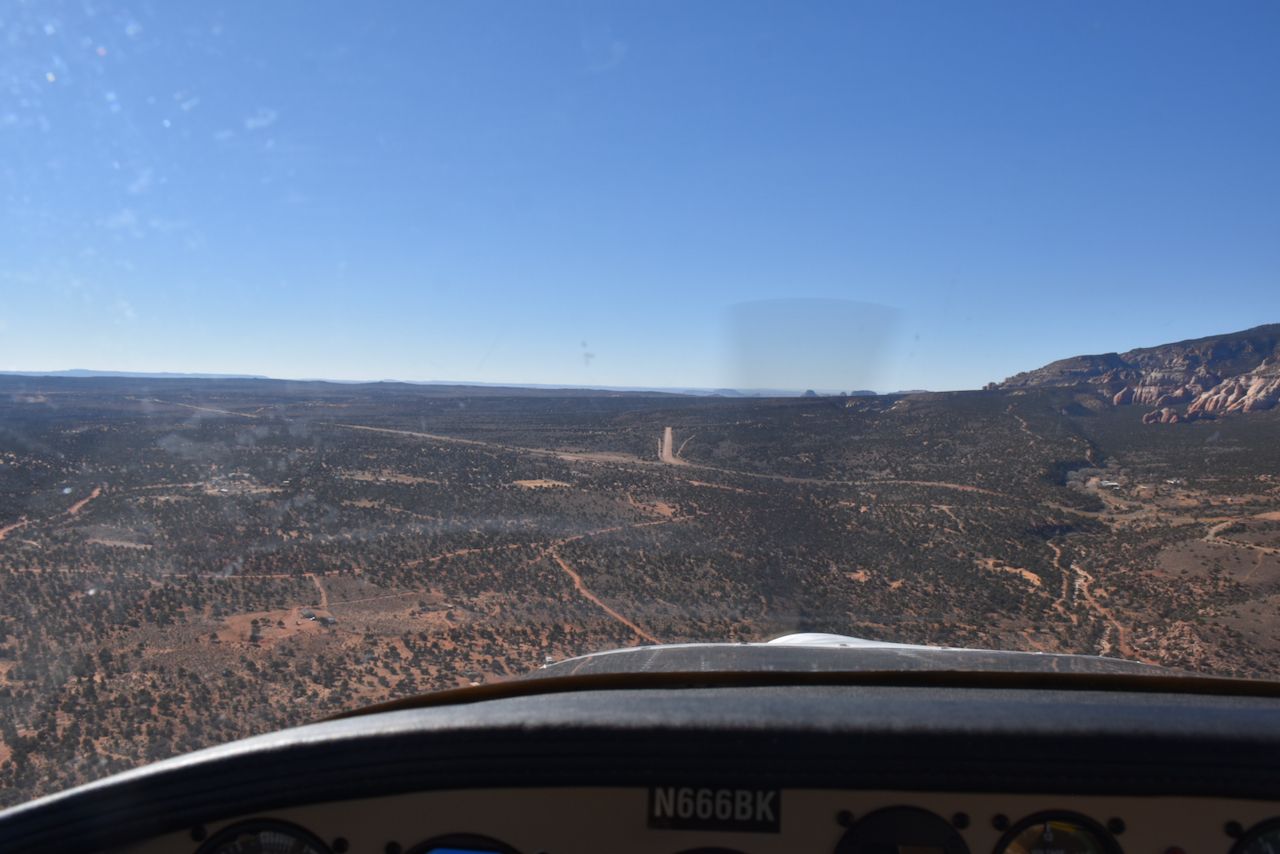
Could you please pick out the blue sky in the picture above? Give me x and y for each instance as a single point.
(619, 193)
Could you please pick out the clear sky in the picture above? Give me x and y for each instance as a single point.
(626, 193)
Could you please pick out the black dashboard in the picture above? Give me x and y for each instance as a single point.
(869, 752)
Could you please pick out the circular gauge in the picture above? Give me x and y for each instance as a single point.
(1262, 838)
(264, 836)
(902, 830)
(462, 843)
(1057, 833)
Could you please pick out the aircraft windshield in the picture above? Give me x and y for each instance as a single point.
(353, 351)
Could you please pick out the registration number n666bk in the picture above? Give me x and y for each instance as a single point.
(705, 808)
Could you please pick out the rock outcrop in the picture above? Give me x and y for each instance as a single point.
(1249, 392)
(1161, 416)
(1220, 374)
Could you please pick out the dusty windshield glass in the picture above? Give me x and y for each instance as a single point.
(356, 351)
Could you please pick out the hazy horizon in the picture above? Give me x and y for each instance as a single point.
(71, 373)
(517, 383)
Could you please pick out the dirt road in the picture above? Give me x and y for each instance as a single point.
(587, 594)
(70, 511)
(1215, 537)
(204, 408)
(1022, 422)
(1065, 598)
(1084, 586)
(8, 529)
(79, 505)
(324, 594)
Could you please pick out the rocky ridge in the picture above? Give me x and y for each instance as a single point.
(1183, 381)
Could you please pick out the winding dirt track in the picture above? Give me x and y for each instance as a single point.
(1022, 422)
(1084, 582)
(79, 505)
(1060, 604)
(70, 511)
(587, 594)
(324, 594)
(1081, 582)
(1214, 536)
(668, 456)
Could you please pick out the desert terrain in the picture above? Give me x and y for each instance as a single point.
(187, 562)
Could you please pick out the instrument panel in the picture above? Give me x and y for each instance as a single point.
(691, 820)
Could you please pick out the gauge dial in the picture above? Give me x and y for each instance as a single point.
(462, 844)
(902, 830)
(264, 836)
(1262, 838)
(1057, 833)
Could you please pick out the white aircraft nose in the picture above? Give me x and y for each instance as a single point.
(826, 639)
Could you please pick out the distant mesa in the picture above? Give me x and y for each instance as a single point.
(861, 392)
(437, 388)
(1184, 381)
(84, 373)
